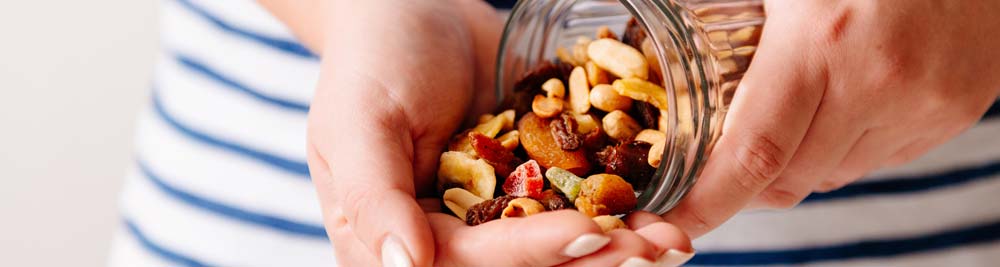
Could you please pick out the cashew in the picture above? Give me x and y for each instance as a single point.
(579, 91)
(643, 91)
(609, 222)
(522, 207)
(620, 126)
(605, 98)
(656, 154)
(658, 139)
(554, 88)
(595, 75)
(459, 200)
(585, 123)
(618, 58)
(664, 123)
(510, 140)
(605, 32)
(489, 125)
(468, 172)
(546, 107)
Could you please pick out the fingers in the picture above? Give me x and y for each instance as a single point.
(771, 111)
(346, 243)
(627, 248)
(671, 243)
(543, 239)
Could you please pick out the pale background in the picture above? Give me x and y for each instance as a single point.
(73, 75)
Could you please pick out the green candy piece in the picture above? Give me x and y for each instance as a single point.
(565, 182)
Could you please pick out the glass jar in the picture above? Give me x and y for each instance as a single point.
(702, 49)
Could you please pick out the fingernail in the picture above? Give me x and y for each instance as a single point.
(586, 244)
(636, 262)
(394, 254)
(674, 258)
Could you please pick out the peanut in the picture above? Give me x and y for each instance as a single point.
(595, 75)
(470, 173)
(618, 58)
(510, 140)
(546, 107)
(579, 91)
(522, 207)
(554, 88)
(580, 54)
(459, 200)
(565, 56)
(605, 32)
(609, 222)
(585, 123)
(643, 91)
(605, 98)
(620, 126)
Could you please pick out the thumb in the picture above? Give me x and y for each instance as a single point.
(367, 184)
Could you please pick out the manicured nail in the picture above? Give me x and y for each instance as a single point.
(394, 254)
(586, 244)
(674, 258)
(636, 262)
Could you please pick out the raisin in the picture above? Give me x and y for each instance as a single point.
(646, 114)
(555, 201)
(487, 210)
(493, 152)
(563, 130)
(634, 35)
(628, 160)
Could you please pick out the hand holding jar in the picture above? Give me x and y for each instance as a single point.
(840, 88)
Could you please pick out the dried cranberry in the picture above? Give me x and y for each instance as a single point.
(634, 34)
(490, 150)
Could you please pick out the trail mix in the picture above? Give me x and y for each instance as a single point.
(583, 132)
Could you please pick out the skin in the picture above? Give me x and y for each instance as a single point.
(840, 88)
(397, 79)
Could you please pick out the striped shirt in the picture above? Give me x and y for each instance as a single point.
(220, 177)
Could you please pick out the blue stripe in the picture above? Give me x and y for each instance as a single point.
(162, 252)
(292, 166)
(200, 68)
(290, 46)
(988, 232)
(902, 185)
(250, 217)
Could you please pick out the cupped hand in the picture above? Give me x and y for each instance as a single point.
(840, 88)
(396, 81)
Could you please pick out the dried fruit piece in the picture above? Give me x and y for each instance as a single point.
(566, 182)
(494, 153)
(490, 128)
(536, 138)
(609, 222)
(510, 140)
(563, 130)
(618, 58)
(605, 98)
(472, 174)
(555, 201)
(488, 210)
(643, 91)
(620, 126)
(579, 91)
(459, 200)
(555, 88)
(522, 207)
(646, 114)
(605, 32)
(628, 160)
(634, 35)
(605, 194)
(525, 181)
(546, 107)
(595, 75)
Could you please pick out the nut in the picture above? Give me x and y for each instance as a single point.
(605, 194)
(605, 32)
(650, 53)
(608, 223)
(605, 98)
(460, 168)
(546, 107)
(459, 200)
(585, 123)
(522, 207)
(620, 126)
(565, 56)
(580, 53)
(658, 139)
(510, 140)
(489, 125)
(579, 91)
(554, 88)
(656, 153)
(618, 58)
(642, 90)
(595, 75)
(484, 118)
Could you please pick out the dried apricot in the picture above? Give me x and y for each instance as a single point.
(536, 138)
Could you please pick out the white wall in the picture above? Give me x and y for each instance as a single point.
(73, 75)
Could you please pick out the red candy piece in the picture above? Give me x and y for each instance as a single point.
(525, 181)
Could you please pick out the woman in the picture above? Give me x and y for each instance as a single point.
(836, 90)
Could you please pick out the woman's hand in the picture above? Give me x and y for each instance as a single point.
(397, 78)
(840, 88)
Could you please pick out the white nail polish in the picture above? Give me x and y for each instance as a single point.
(394, 254)
(674, 258)
(636, 262)
(586, 244)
